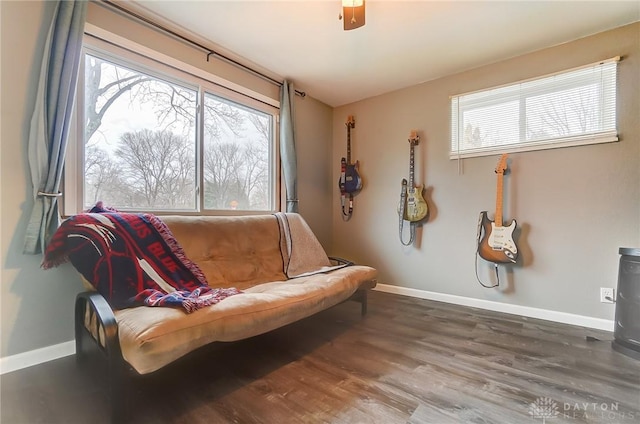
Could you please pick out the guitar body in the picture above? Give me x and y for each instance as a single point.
(416, 207)
(497, 243)
(353, 181)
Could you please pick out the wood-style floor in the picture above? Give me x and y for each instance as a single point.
(408, 361)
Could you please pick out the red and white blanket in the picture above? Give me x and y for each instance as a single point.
(131, 260)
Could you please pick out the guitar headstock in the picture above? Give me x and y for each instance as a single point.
(351, 122)
(501, 168)
(414, 139)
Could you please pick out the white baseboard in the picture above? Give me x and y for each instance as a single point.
(527, 311)
(37, 356)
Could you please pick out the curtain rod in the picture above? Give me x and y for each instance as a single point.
(206, 49)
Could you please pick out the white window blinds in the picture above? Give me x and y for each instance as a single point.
(568, 108)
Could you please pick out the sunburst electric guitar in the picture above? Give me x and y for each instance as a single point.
(412, 204)
(496, 244)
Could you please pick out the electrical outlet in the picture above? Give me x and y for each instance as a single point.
(607, 295)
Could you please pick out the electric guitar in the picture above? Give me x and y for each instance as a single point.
(497, 243)
(350, 181)
(415, 207)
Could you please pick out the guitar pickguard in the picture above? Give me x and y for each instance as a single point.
(501, 238)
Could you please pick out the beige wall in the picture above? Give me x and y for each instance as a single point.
(575, 206)
(37, 305)
(313, 149)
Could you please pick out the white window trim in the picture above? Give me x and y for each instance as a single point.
(162, 66)
(523, 146)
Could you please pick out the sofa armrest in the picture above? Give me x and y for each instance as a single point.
(94, 319)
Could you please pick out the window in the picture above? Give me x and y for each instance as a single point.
(565, 109)
(153, 138)
(236, 156)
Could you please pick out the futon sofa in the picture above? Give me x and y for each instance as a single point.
(276, 263)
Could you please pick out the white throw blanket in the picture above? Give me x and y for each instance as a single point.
(302, 253)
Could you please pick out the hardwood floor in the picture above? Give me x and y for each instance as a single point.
(408, 361)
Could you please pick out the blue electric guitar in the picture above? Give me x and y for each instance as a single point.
(350, 181)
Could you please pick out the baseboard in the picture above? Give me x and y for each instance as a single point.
(37, 356)
(527, 311)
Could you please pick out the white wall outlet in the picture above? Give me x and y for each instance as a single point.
(607, 295)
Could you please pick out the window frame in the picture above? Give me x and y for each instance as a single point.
(154, 64)
(515, 92)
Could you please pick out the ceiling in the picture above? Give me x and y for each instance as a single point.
(402, 44)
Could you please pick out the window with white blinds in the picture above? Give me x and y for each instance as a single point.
(568, 108)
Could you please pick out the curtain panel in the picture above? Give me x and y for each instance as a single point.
(51, 119)
(288, 145)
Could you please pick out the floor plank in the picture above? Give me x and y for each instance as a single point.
(408, 361)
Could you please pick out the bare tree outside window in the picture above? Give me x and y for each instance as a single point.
(139, 139)
(236, 159)
(563, 113)
(159, 166)
(140, 146)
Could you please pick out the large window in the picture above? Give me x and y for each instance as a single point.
(565, 109)
(152, 138)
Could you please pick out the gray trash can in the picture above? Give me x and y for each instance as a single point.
(626, 333)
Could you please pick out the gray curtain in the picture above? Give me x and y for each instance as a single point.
(288, 145)
(51, 118)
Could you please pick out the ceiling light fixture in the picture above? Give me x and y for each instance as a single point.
(352, 14)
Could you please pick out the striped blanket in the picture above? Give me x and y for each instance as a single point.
(131, 259)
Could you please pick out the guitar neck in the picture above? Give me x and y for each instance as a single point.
(349, 143)
(411, 165)
(501, 168)
(498, 216)
(351, 123)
